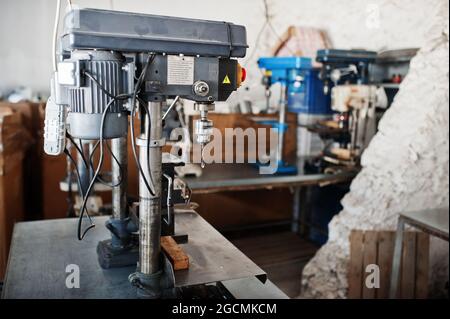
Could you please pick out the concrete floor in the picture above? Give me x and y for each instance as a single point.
(282, 254)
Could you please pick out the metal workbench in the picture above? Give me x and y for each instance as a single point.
(41, 251)
(432, 221)
(243, 177)
(236, 177)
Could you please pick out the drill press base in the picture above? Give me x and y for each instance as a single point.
(41, 251)
(112, 257)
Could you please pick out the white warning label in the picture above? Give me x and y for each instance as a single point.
(180, 70)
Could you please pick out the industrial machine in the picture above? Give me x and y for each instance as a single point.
(301, 92)
(353, 100)
(388, 72)
(114, 66)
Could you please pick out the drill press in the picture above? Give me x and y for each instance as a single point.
(289, 72)
(114, 65)
(302, 92)
(345, 74)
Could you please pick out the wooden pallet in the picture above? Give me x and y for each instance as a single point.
(377, 247)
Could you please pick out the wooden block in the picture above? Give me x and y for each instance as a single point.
(332, 124)
(370, 258)
(422, 264)
(343, 153)
(176, 255)
(408, 265)
(355, 264)
(385, 253)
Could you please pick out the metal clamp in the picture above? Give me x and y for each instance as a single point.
(169, 198)
(148, 286)
(142, 142)
(157, 143)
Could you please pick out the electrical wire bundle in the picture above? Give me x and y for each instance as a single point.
(151, 188)
(89, 162)
(267, 23)
(100, 144)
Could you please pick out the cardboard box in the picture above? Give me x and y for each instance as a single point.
(14, 142)
(33, 121)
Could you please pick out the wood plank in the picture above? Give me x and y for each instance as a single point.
(176, 255)
(408, 265)
(385, 253)
(355, 264)
(370, 258)
(422, 265)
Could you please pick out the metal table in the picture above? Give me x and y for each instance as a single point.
(432, 221)
(242, 177)
(235, 177)
(41, 251)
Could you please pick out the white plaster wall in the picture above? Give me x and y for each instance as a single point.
(26, 27)
(405, 167)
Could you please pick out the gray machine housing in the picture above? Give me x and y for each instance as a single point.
(134, 32)
(114, 45)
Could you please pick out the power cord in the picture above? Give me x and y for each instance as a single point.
(150, 59)
(97, 172)
(79, 150)
(69, 198)
(80, 190)
(113, 156)
(134, 96)
(99, 85)
(267, 23)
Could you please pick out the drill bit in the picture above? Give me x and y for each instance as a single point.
(202, 160)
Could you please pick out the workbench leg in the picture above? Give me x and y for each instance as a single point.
(397, 258)
(295, 211)
(305, 211)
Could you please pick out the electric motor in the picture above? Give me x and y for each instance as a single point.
(98, 78)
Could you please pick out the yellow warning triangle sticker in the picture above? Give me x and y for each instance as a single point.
(226, 80)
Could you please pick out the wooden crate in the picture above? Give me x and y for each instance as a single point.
(377, 247)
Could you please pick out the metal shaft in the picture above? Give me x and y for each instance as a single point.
(397, 258)
(119, 174)
(282, 122)
(150, 205)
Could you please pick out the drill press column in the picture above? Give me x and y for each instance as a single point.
(282, 123)
(150, 204)
(119, 176)
(119, 192)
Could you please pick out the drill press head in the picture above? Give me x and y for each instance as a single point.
(103, 52)
(344, 66)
